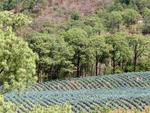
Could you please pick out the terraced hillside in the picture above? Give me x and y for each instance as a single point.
(130, 90)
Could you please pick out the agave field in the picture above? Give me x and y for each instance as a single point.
(129, 90)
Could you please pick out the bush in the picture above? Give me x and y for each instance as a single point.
(6, 107)
(66, 108)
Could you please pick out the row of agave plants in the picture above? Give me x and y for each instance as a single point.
(8, 107)
(88, 95)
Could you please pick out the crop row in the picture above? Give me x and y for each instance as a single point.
(127, 80)
(130, 90)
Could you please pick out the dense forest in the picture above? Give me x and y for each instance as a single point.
(43, 39)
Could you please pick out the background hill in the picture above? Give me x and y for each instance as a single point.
(54, 10)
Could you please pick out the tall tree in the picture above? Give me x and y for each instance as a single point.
(140, 5)
(95, 23)
(130, 17)
(54, 55)
(146, 28)
(77, 38)
(101, 50)
(139, 45)
(113, 21)
(120, 49)
(17, 62)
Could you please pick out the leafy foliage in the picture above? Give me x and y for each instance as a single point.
(66, 108)
(121, 51)
(54, 54)
(21, 5)
(17, 62)
(78, 39)
(7, 107)
(140, 46)
(15, 21)
(130, 16)
(146, 29)
(113, 21)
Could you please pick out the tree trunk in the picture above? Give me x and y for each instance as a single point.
(39, 73)
(50, 73)
(135, 58)
(114, 63)
(101, 69)
(78, 65)
(96, 65)
(92, 69)
(81, 71)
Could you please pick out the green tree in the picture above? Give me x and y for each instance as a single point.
(54, 55)
(73, 24)
(27, 6)
(146, 28)
(78, 39)
(144, 62)
(101, 50)
(17, 62)
(75, 15)
(117, 6)
(120, 49)
(140, 46)
(130, 17)
(95, 23)
(113, 21)
(15, 21)
(8, 4)
(140, 5)
(127, 2)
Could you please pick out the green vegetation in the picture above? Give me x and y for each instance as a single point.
(129, 90)
(17, 62)
(54, 54)
(43, 40)
(15, 21)
(66, 108)
(84, 55)
(6, 107)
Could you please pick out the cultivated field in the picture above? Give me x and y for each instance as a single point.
(129, 91)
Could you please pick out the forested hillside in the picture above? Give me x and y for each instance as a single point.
(73, 56)
(72, 38)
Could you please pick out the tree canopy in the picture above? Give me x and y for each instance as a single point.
(54, 54)
(17, 62)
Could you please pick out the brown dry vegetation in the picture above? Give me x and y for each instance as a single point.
(60, 10)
